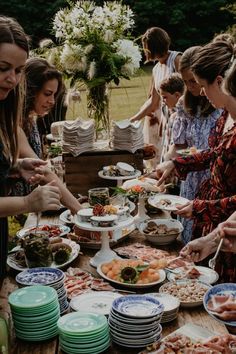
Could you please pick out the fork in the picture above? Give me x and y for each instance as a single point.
(212, 261)
(38, 216)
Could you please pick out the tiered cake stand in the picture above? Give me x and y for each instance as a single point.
(119, 179)
(105, 254)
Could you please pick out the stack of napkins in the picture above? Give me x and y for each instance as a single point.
(78, 136)
(127, 136)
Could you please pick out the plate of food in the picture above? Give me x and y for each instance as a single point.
(17, 261)
(189, 292)
(148, 184)
(167, 201)
(189, 151)
(220, 303)
(53, 230)
(196, 338)
(131, 273)
(204, 274)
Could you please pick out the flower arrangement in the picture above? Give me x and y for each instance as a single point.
(95, 48)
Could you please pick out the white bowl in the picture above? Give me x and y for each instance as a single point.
(84, 215)
(162, 239)
(125, 169)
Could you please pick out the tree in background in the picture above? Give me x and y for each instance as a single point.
(35, 16)
(188, 22)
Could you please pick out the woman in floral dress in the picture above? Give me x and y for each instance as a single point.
(216, 199)
(194, 121)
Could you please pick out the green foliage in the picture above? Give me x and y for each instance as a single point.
(188, 22)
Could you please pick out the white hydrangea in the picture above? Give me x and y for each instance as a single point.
(131, 52)
(71, 58)
(83, 27)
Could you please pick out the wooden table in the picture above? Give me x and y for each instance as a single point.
(196, 315)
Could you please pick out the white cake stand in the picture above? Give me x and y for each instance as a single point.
(105, 254)
(119, 179)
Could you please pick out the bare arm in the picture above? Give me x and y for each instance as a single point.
(67, 198)
(25, 149)
(149, 106)
(177, 61)
(40, 199)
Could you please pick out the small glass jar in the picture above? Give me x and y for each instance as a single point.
(99, 196)
(37, 249)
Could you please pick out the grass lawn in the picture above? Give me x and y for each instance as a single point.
(125, 99)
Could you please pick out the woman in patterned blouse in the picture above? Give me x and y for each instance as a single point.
(216, 200)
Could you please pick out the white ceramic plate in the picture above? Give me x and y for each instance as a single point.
(43, 227)
(207, 275)
(74, 254)
(161, 272)
(119, 178)
(170, 302)
(66, 217)
(173, 199)
(95, 301)
(186, 152)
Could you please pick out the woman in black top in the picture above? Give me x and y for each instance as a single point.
(13, 54)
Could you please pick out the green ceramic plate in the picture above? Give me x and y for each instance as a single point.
(32, 297)
(39, 318)
(88, 345)
(95, 350)
(81, 323)
(86, 338)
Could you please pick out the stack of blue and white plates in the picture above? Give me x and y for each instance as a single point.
(171, 306)
(134, 320)
(83, 333)
(52, 277)
(35, 312)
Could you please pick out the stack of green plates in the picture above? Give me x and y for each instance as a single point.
(83, 333)
(35, 312)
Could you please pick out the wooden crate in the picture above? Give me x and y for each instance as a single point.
(81, 172)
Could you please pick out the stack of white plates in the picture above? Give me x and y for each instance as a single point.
(78, 136)
(35, 312)
(46, 276)
(134, 320)
(171, 306)
(83, 333)
(127, 136)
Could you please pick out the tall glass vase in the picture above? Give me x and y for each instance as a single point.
(98, 109)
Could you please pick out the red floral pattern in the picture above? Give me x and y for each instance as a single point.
(216, 199)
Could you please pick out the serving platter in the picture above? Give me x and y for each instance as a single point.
(157, 201)
(219, 291)
(189, 292)
(14, 264)
(67, 218)
(162, 275)
(54, 230)
(207, 275)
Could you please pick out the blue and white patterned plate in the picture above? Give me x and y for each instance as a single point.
(220, 289)
(39, 276)
(140, 306)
